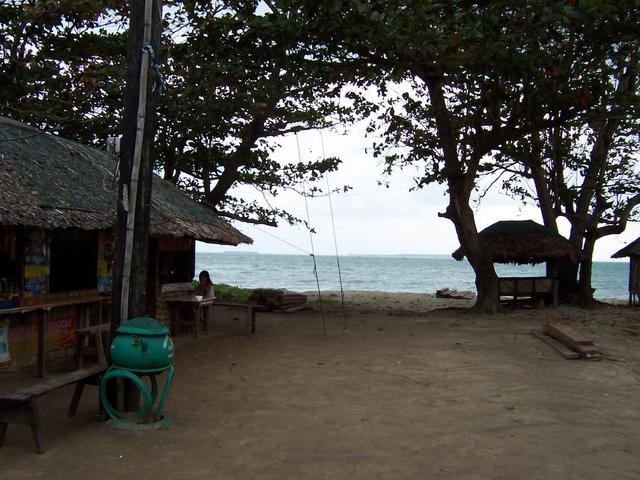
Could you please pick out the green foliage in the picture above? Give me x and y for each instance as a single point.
(240, 77)
(62, 65)
(458, 81)
(223, 290)
(236, 77)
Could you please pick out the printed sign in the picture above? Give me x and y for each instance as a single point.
(105, 261)
(36, 261)
(23, 337)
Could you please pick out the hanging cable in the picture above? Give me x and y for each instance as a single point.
(282, 240)
(313, 252)
(335, 238)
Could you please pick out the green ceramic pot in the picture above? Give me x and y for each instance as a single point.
(142, 344)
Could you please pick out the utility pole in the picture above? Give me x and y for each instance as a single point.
(136, 162)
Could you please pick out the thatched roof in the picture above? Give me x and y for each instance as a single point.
(631, 250)
(523, 242)
(50, 182)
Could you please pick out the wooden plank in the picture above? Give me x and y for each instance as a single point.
(561, 348)
(63, 303)
(566, 334)
(54, 383)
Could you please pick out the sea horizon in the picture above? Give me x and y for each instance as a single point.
(415, 273)
(425, 255)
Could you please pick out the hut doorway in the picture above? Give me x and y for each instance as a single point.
(73, 260)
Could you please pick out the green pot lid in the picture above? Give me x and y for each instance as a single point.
(143, 326)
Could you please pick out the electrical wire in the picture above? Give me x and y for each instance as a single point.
(313, 252)
(335, 238)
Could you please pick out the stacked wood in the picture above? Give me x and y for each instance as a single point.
(278, 300)
(568, 342)
(454, 294)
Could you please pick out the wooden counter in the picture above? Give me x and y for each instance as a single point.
(45, 313)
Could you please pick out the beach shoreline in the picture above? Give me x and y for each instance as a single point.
(408, 301)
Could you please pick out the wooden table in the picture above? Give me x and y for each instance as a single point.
(197, 308)
(199, 305)
(45, 315)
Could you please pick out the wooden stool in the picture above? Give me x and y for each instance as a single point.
(97, 335)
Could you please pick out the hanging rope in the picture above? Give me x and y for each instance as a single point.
(313, 252)
(335, 238)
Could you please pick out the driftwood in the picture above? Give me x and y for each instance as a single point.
(454, 294)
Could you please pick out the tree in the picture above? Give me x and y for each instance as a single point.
(241, 76)
(62, 65)
(475, 76)
(237, 75)
(586, 171)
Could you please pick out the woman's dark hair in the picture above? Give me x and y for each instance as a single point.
(206, 276)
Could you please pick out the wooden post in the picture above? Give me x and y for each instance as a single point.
(136, 163)
(42, 335)
(631, 269)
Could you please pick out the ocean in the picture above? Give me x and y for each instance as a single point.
(388, 273)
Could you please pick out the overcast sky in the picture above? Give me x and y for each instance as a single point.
(375, 220)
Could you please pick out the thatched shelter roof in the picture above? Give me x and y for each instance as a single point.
(50, 182)
(631, 250)
(523, 242)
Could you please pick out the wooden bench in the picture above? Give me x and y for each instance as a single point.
(20, 407)
(534, 288)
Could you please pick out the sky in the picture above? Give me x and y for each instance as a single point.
(374, 220)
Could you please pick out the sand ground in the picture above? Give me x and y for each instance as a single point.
(404, 392)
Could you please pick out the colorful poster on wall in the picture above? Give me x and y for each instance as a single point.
(36, 262)
(4, 343)
(23, 337)
(105, 261)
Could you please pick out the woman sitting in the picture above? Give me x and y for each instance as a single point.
(205, 288)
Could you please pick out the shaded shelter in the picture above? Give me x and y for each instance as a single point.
(525, 242)
(633, 252)
(57, 218)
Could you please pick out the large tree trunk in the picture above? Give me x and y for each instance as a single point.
(461, 182)
(138, 283)
(461, 214)
(586, 269)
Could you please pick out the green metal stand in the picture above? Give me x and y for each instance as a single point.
(147, 417)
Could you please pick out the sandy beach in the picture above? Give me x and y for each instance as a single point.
(408, 390)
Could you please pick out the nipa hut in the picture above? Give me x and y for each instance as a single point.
(525, 242)
(633, 252)
(57, 215)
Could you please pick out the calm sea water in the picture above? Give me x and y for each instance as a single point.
(394, 273)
